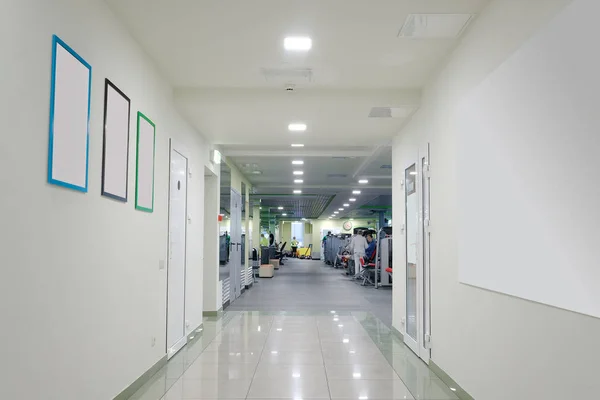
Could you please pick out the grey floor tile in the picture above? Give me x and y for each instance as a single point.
(215, 357)
(292, 357)
(313, 388)
(361, 371)
(279, 372)
(199, 371)
(208, 389)
(369, 389)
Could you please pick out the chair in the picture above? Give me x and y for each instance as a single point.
(255, 264)
(368, 267)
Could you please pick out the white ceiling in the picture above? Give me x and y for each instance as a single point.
(225, 43)
(214, 53)
(260, 117)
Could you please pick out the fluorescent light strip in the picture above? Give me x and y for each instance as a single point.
(298, 181)
(363, 181)
(353, 199)
(297, 145)
(298, 172)
(297, 191)
(297, 127)
(356, 192)
(297, 162)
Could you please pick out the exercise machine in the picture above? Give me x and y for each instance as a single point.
(384, 266)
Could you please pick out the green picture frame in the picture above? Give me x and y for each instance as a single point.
(145, 163)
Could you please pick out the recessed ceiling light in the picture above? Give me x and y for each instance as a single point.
(298, 172)
(297, 43)
(352, 199)
(284, 215)
(298, 181)
(356, 192)
(297, 145)
(297, 191)
(363, 181)
(336, 212)
(298, 162)
(297, 127)
(280, 208)
(346, 205)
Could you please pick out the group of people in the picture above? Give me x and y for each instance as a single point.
(269, 241)
(361, 245)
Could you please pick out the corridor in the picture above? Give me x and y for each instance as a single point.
(295, 355)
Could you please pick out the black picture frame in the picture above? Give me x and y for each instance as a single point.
(108, 85)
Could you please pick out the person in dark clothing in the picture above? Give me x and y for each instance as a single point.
(372, 246)
(271, 239)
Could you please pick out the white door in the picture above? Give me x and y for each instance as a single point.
(417, 221)
(236, 244)
(176, 337)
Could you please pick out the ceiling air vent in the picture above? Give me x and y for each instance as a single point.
(434, 26)
(386, 166)
(287, 75)
(337, 176)
(390, 112)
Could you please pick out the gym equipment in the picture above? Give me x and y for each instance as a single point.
(384, 266)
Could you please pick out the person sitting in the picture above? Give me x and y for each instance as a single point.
(294, 246)
(371, 247)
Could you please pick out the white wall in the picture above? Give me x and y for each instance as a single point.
(495, 346)
(540, 181)
(82, 294)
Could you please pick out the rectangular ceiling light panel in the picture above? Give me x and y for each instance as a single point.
(434, 26)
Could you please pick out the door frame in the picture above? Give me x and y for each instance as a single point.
(422, 345)
(412, 343)
(424, 272)
(174, 146)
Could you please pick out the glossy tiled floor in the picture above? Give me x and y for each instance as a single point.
(307, 285)
(295, 355)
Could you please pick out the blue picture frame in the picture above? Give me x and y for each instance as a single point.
(56, 41)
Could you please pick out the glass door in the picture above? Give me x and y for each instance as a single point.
(417, 246)
(411, 217)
